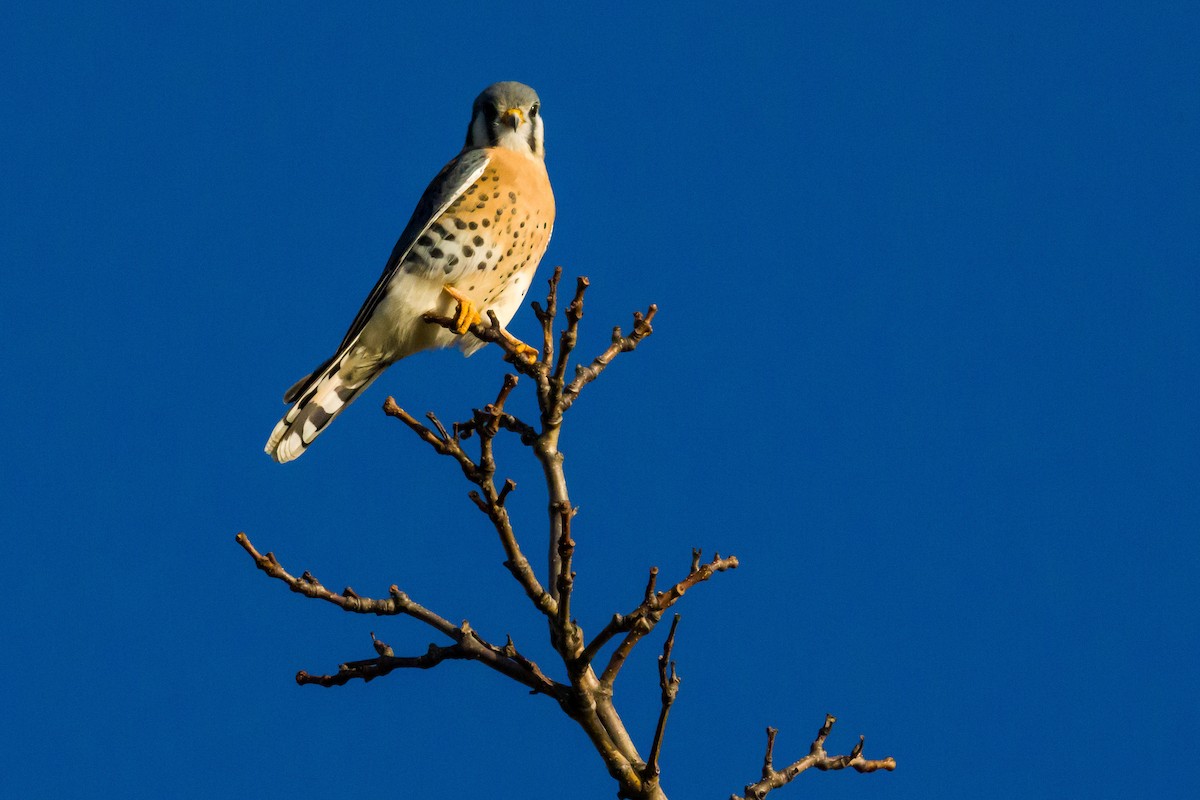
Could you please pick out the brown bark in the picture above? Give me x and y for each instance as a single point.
(584, 696)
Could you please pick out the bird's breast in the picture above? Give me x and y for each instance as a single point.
(489, 241)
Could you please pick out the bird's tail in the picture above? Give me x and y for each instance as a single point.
(319, 398)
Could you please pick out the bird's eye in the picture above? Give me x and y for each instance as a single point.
(533, 109)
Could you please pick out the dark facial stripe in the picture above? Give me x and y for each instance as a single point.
(489, 116)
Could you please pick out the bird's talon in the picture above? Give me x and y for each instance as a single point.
(516, 182)
(465, 314)
(521, 350)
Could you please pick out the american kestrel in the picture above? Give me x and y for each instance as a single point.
(472, 246)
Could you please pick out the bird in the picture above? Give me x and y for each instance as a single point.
(471, 247)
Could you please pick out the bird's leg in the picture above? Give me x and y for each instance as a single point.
(466, 314)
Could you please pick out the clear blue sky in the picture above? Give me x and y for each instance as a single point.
(927, 361)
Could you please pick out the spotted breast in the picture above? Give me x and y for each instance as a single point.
(491, 238)
(470, 249)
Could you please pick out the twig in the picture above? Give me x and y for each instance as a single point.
(546, 317)
(374, 668)
(642, 619)
(817, 757)
(588, 698)
(441, 442)
(653, 579)
(496, 418)
(510, 383)
(570, 334)
(493, 332)
(504, 660)
(668, 681)
(487, 499)
(505, 421)
(510, 651)
(620, 344)
(396, 603)
(566, 578)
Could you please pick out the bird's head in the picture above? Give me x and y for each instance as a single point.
(507, 114)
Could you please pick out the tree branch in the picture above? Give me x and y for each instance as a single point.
(504, 660)
(489, 501)
(566, 578)
(396, 603)
(586, 697)
(495, 417)
(546, 318)
(553, 397)
(642, 619)
(817, 757)
(668, 681)
(374, 668)
(620, 344)
(442, 442)
(570, 336)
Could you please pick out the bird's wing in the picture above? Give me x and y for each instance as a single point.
(450, 183)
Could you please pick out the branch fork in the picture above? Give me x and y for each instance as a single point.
(586, 697)
(817, 757)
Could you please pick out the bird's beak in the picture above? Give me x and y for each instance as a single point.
(513, 118)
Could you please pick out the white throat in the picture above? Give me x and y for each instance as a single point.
(515, 140)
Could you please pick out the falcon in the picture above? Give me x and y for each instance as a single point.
(471, 247)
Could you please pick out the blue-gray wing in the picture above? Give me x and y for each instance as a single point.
(452, 181)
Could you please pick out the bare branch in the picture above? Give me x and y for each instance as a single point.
(396, 603)
(506, 421)
(441, 442)
(441, 429)
(496, 418)
(615, 625)
(620, 344)
(817, 757)
(668, 681)
(546, 317)
(479, 502)
(698, 574)
(374, 668)
(493, 332)
(566, 578)
(470, 646)
(399, 603)
(510, 383)
(570, 334)
(768, 762)
(510, 651)
(587, 698)
(487, 499)
(642, 619)
(381, 647)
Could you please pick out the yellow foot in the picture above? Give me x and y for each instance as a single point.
(466, 314)
(523, 350)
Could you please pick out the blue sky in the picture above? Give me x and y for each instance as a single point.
(927, 361)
